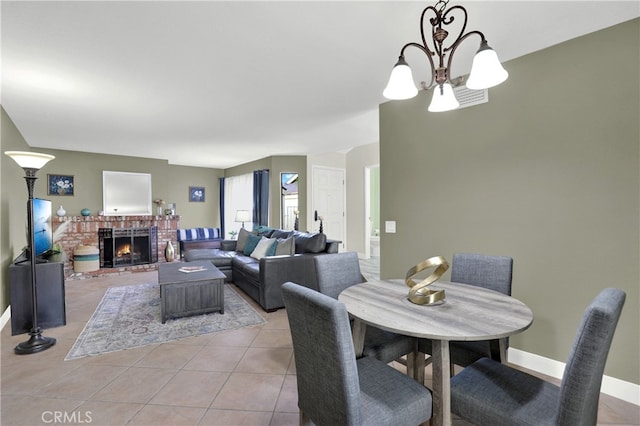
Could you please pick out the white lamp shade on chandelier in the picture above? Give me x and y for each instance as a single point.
(29, 160)
(401, 85)
(486, 70)
(443, 99)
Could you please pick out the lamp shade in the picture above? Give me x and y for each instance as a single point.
(29, 160)
(401, 85)
(486, 70)
(443, 99)
(243, 216)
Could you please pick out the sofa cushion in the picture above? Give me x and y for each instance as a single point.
(263, 231)
(265, 247)
(285, 246)
(218, 257)
(279, 233)
(251, 244)
(248, 267)
(201, 254)
(243, 236)
(310, 243)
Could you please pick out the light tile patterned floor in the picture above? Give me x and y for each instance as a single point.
(244, 376)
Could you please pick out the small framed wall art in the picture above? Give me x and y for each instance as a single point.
(60, 185)
(196, 194)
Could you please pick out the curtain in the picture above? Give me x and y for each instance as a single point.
(261, 197)
(238, 192)
(221, 180)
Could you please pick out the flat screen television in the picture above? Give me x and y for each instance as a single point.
(43, 233)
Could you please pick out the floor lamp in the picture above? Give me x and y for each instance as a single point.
(31, 162)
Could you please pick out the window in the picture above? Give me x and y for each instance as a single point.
(238, 195)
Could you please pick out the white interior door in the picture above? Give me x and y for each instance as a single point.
(328, 201)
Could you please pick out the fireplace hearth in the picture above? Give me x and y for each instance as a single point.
(127, 246)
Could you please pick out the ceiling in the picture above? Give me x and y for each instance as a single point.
(220, 83)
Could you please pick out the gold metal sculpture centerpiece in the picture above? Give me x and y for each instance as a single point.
(419, 293)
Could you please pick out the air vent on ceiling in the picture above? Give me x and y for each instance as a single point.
(468, 97)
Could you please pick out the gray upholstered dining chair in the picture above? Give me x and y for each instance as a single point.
(338, 271)
(490, 393)
(333, 387)
(491, 272)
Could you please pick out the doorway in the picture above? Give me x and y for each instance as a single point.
(328, 203)
(372, 211)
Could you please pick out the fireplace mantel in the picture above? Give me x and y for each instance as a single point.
(83, 230)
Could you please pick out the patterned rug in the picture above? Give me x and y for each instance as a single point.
(129, 317)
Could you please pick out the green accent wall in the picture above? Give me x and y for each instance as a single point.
(546, 172)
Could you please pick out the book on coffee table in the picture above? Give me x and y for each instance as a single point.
(189, 269)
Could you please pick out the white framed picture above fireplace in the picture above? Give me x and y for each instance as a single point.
(126, 194)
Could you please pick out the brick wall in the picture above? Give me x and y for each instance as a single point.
(83, 230)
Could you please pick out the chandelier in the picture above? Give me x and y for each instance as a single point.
(486, 70)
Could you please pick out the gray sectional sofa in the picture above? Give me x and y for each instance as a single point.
(259, 263)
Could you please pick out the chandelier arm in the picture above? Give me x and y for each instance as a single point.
(427, 52)
(451, 19)
(455, 45)
(424, 39)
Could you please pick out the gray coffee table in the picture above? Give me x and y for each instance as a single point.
(183, 294)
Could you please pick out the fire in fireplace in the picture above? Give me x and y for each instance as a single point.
(127, 246)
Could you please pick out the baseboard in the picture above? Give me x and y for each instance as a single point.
(6, 316)
(617, 388)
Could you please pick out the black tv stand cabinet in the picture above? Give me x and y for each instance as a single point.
(50, 291)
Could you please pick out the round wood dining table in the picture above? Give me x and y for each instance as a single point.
(468, 313)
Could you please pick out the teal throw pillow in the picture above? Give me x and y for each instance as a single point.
(252, 242)
(272, 249)
(263, 231)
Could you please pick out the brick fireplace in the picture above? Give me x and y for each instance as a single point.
(85, 230)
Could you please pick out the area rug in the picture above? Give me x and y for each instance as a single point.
(129, 317)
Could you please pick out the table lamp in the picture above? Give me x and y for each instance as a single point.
(243, 216)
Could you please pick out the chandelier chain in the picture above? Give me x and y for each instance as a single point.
(441, 5)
